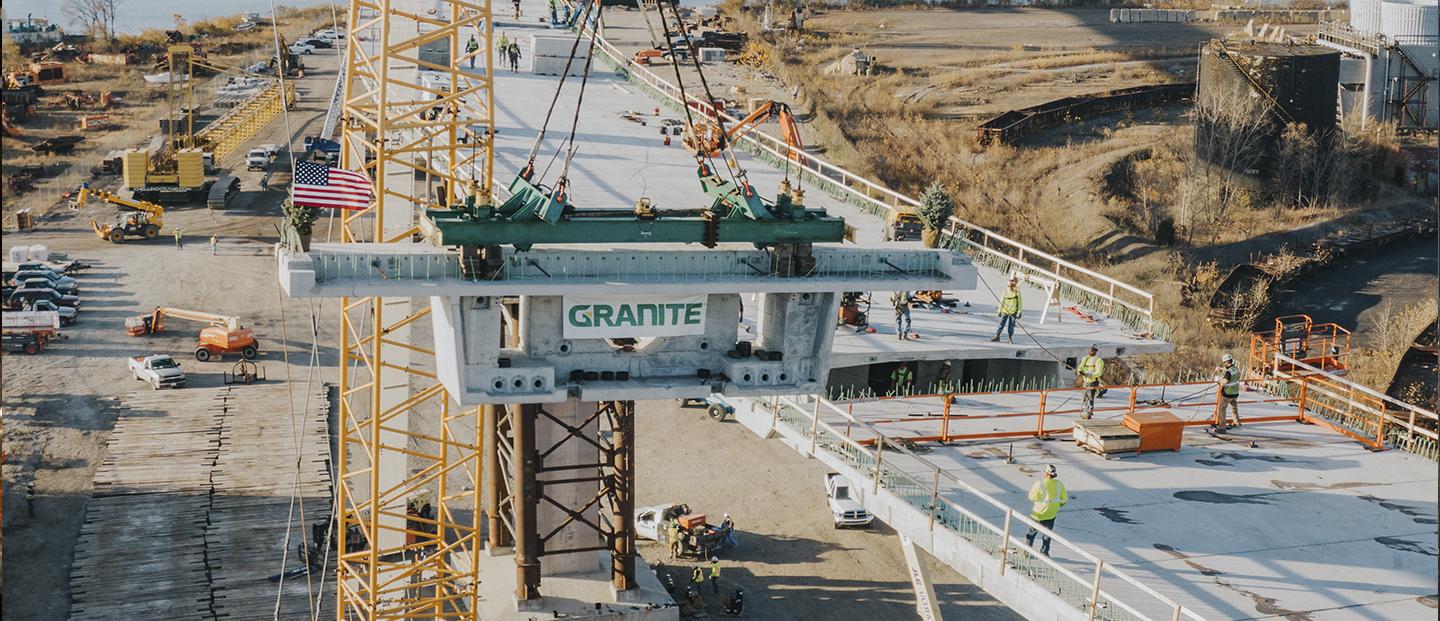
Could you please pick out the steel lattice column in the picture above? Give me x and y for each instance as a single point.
(533, 470)
(403, 444)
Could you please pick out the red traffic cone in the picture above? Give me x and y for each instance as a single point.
(667, 140)
(657, 110)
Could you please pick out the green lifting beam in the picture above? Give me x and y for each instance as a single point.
(535, 215)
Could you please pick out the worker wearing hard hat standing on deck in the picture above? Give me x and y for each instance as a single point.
(1088, 373)
(1228, 377)
(1010, 310)
(1047, 496)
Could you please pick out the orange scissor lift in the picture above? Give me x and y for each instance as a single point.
(1325, 346)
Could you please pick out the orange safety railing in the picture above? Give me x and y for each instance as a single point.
(1205, 396)
(1325, 346)
(1319, 396)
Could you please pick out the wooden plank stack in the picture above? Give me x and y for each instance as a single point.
(189, 513)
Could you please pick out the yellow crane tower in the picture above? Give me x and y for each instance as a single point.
(409, 461)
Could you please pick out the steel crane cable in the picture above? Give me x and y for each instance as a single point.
(702, 155)
(584, 13)
(579, 103)
(724, 138)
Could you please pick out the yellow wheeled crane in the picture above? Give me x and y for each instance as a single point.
(144, 219)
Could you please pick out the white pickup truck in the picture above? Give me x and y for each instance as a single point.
(160, 370)
(262, 156)
(843, 507)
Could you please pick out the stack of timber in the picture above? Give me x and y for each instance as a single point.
(192, 501)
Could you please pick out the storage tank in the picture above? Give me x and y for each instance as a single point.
(19, 254)
(40, 253)
(1410, 21)
(1300, 80)
(1365, 15)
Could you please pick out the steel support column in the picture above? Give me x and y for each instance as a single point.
(620, 484)
(525, 501)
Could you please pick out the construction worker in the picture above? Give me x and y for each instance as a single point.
(901, 378)
(1227, 376)
(179, 235)
(514, 53)
(503, 46)
(471, 47)
(673, 530)
(1047, 496)
(942, 378)
(552, 12)
(1010, 310)
(214, 244)
(901, 301)
(715, 574)
(1088, 373)
(697, 578)
(727, 526)
(517, 8)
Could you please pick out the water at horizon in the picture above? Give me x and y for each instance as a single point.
(138, 15)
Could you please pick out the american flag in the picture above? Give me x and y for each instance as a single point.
(321, 186)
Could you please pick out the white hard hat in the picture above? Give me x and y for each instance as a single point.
(1227, 358)
(727, 515)
(1050, 469)
(714, 559)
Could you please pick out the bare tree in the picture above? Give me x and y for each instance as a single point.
(96, 16)
(1233, 134)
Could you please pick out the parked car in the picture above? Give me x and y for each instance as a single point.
(261, 157)
(319, 44)
(328, 34)
(20, 297)
(301, 48)
(843, 507)
(160, 370)
(45, 283)
(63, 284)
(67, 314)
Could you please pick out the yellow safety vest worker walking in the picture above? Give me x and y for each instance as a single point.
(1046, 497)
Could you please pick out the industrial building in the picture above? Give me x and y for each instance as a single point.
(1390, 64)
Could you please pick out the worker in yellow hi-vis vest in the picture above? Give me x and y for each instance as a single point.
(1088, 373)
(1047, 496)
(1010, 310)
(1228, 377)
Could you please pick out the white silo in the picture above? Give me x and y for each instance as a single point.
(1410, 21)
(1365, 15)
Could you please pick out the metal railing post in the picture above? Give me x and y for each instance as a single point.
(934, 498)
(945, 422)
(1040, 419)
(815, 425)
(1176, 616)
(875, 477)
(1304, 392)
(1095, 593)
(1005, 540)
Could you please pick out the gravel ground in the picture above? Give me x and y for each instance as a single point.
(791, 561)
(59, 405)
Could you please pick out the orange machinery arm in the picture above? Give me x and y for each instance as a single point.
(789, 129)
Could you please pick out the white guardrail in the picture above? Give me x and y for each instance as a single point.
(1095, 588)
(1087, 288)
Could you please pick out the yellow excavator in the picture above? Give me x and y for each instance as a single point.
(144, 219)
